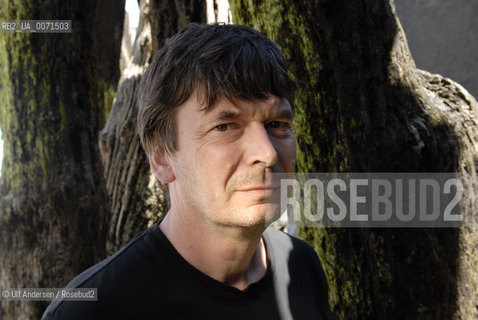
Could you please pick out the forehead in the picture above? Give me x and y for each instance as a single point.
(225, 109)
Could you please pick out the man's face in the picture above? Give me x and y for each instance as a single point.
(225, 159)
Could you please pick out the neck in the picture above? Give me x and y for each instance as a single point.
(234, 256)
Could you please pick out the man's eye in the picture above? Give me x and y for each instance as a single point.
(278, 124)
(221, 127)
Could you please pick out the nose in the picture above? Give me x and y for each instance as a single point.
(258, 146)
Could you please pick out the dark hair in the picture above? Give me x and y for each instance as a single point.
(233, 61)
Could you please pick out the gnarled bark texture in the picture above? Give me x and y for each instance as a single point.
(362, 106)
(53, 200)
(137, 199)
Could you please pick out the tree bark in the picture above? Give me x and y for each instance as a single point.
(362, 106)
(53, 200)
(137, 199)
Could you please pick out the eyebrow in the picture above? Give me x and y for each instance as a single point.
(227, 115)
(231, 114)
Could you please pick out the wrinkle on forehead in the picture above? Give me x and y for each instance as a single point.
(269, 98)
(234, 108)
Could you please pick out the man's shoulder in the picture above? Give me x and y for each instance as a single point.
(101, 275)
(120, 259)
(297, 269)
(284, 243)
(291, 255)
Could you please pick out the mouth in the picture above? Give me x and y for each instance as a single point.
(261, 192)
(259, 188)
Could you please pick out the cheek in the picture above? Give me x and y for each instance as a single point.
(287, 155)
(218, 162)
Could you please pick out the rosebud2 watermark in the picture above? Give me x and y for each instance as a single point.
(412, 200)
(48, 294)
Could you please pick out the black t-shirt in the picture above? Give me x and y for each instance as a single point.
(149, 279)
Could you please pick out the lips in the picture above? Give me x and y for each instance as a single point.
(259, 188)
(261, 193)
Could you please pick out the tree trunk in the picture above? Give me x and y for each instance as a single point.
(53, 200)
(137, 200)
(362, 106)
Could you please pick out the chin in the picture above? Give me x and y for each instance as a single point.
(259, 215)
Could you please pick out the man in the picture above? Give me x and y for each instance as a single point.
(215, 120)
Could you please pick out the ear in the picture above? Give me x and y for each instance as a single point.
(161, 167)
